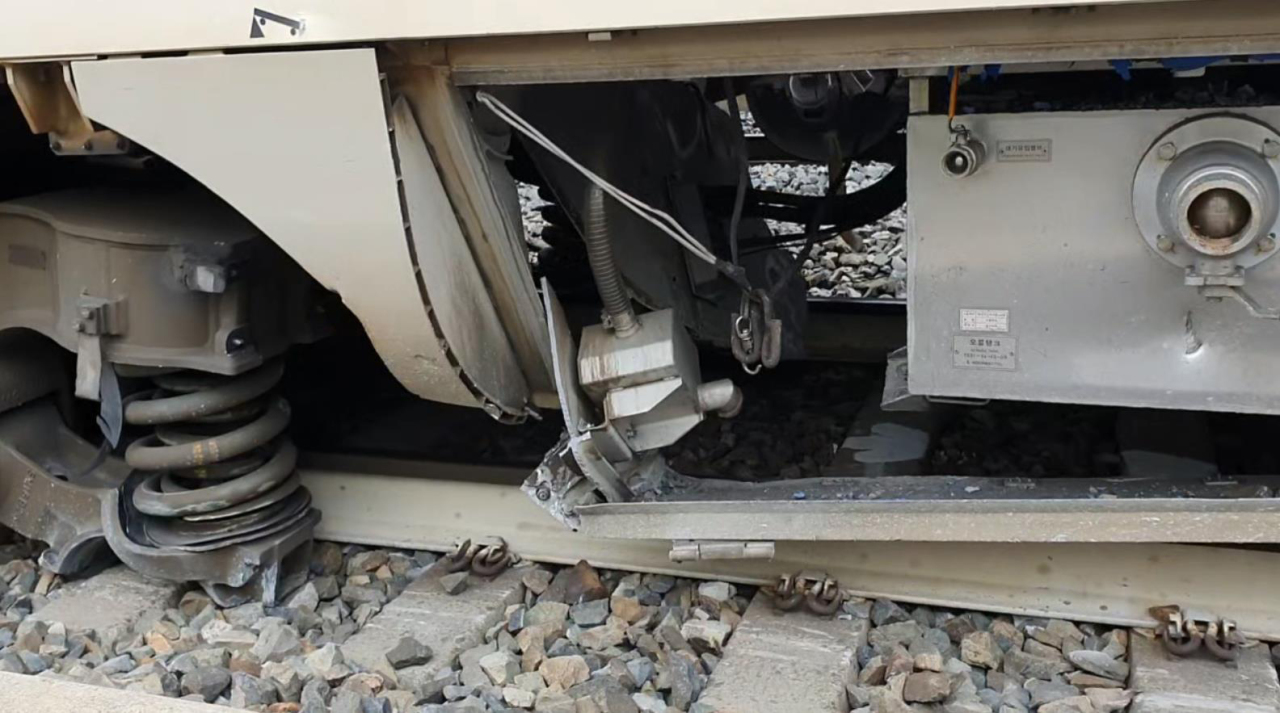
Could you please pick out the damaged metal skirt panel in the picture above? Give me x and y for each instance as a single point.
(298, 143)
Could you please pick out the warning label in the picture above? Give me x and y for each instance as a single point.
(973, 352)
(1025, 150)
(984, 320)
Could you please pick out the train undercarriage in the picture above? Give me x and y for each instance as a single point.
(217, 264)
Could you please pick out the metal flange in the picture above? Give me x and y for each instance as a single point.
(1207, 192)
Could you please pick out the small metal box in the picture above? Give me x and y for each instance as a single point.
(1031, 278)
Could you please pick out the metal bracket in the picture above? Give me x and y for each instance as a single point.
(48, 101)
(97, 318)
(99, 143)
(1239, 294)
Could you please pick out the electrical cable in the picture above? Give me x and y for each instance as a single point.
(740, 194)
(953, 102)
(663, 221)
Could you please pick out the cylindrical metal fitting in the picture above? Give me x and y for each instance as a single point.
(964, 157)
(613, 293)
(722, 396)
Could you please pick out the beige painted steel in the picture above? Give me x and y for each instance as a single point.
(298, 143)
(433, 506)
(487, 210)
(460, 305)
(1168, 29)
(134, 26)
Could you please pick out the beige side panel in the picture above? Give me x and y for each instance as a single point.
(460, 304)
(489, 219)
(75, 27)
(298, 143)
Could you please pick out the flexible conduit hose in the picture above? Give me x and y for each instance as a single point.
(613, 293)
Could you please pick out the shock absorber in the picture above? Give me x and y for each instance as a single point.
(218, 470)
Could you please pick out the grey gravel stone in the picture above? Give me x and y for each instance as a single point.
(500, 666)
(454, 583)
(315, 697)
(277, 642)
(120, 664)
(1077, 704)
(408, 652)
(345, 701)
(206, 682)
(1047, 691)
(327, 663)
(926, 687)
(1099, 663)
(979, 648)
(592, 613)
(884, 612)
(247, 690)
(1028, 666)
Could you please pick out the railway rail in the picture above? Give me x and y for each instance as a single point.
(374, 502)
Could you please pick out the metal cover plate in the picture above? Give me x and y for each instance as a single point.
(1093, 315)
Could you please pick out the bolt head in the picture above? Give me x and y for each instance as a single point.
(1165, 244)
(1167, 151)
(1271, 149)
(544, 493)
(1266, 245)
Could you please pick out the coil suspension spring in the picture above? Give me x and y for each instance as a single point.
(217, 470)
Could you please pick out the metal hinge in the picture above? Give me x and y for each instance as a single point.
(698, 550)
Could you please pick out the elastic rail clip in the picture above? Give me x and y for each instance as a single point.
(822, 597)
(1183, 636)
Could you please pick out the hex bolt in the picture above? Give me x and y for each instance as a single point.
(1167, 151)
(1270, 149)
(1266, 245)
(543, 493)
(1165, 244)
